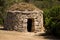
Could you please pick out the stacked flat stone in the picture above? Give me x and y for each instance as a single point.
(18, 15)
(22, 7)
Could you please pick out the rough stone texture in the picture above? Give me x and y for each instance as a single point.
(17, 20)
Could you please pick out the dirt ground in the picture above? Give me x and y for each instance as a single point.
(14, 35)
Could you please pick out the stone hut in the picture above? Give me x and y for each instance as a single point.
(24, 17)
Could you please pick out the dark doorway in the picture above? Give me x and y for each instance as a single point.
(30, 24)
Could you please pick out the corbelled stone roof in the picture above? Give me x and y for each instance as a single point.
(22, 7)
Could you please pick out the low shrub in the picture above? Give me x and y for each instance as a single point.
(52, 20)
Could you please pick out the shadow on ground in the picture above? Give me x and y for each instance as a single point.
(48, 36)
(2, 28)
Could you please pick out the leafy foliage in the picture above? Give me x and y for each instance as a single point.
(52, 20)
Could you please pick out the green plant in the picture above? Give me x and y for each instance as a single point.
(52, 20)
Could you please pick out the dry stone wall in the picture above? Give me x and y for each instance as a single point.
(18, 20)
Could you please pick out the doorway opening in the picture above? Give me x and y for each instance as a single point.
(30, 25)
